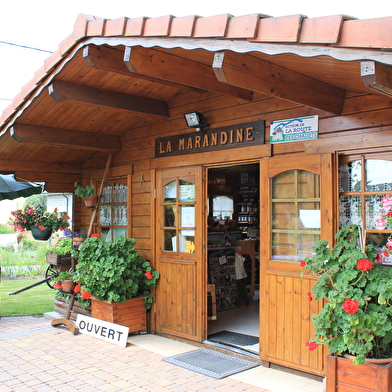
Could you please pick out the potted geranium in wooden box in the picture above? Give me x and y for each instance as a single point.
(117, 280)
(356, 319)
(60, 253)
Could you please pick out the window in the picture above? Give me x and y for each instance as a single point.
(295, 214)
(362, 185)
(113, 217)
(179, 216)
(222, 207)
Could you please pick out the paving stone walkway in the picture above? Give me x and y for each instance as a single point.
(34, 356)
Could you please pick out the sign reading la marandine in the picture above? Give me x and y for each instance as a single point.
(236, 136)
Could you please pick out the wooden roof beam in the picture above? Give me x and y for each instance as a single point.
(267, 78)
(62, 91)
(23, 133)
(377, 77)
(167, 67)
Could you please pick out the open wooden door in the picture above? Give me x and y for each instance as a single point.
(296, 202)
(181, 294)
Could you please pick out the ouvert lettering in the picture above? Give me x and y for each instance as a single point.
(100, 330)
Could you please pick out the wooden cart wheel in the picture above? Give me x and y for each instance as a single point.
(49, 272)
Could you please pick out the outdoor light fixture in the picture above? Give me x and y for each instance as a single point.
(195, 120)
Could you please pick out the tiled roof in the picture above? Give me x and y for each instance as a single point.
(338, 31)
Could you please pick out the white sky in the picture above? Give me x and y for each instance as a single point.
(45, 23)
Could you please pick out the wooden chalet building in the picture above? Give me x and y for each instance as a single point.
(295, 139)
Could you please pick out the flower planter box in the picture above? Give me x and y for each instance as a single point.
(343, 375)
(56, 259)
(131, 313)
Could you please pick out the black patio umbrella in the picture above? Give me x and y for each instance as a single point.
(11, 189)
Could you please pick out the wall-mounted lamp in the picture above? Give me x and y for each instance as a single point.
(195, 120)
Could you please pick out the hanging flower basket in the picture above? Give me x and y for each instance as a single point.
(41, 235)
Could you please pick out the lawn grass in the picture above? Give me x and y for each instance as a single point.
(35, 301)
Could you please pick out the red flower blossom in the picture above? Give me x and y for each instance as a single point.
(350, 306)
(95, 235)
(148, 275)
(364, 265)
(77, 288)
(311, 346)
(58, 285)
(86, 295)
(310, 297)
(302, 263)
(386, 253)
(41, 227)
(65, 217)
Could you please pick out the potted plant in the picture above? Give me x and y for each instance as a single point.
(64, 281)
(77, 237)
(114, 276)
(60, 253)
(41, 222)
(356, 318)
(87, 194)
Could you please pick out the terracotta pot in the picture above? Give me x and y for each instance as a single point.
(41, 235)
(369, 360)
(90, 201)
(68, 285)
(76, 242)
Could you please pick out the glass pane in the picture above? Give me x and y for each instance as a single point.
(283, 216)
(170, 215)
(283, 186)
(120, 193)
(187, 241)
(105, 215)
(350, 177)
(283, 246)
(120, 215)
(350, 209)
(107, 194)
(169, 241)
(187, 216)
(373, 210)
(187, 191)
(308, 185)
(309, 215)
(378, 175)
(305, 244)
(120, 231)
(170, 192)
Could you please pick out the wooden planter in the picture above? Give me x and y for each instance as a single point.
(56, 259)
(344, 376)
(131, 313)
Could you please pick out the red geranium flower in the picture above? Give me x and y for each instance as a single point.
(302, 263)
(58, 285)
(350, 306)
(148, 275)
(86, 295)
(311, 346)
(95, 235)
(77, 288)
(310, 297)
(41, 227)
(364, 265)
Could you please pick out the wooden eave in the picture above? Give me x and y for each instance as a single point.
(93, 96)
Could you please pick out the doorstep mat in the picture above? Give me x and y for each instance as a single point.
(233, 338)
(210, 363)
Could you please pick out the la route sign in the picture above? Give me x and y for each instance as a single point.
(294, 129)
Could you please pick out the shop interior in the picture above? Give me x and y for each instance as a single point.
(233, 257)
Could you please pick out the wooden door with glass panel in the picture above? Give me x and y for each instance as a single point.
(180, 302)
(293, 208)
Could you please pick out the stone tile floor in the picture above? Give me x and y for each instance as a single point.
(34, 356)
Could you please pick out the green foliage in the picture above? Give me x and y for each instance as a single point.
(84, 192)
(367, 331)
(5, 230)
(63, 275)
(113, 270)
(62, 247)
